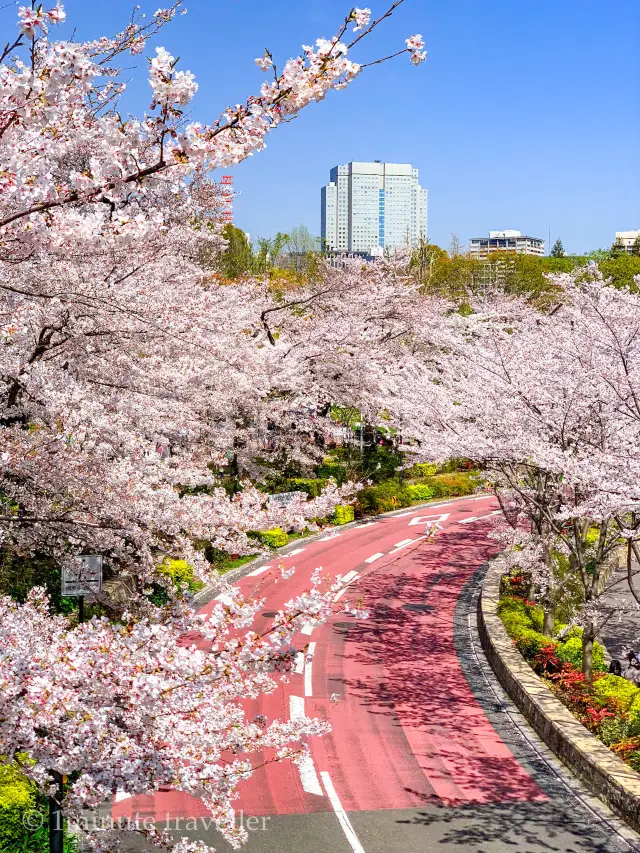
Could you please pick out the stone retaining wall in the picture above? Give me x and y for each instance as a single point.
(601, 770)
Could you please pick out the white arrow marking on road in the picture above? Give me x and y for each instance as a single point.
(308, 681)
(343, 817)
(374, 557)
(257, 572)
(293, 553)
(423, 519)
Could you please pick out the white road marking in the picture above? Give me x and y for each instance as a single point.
(405, 514)
(296, 708)
(343, 818)
(309, 777)
(374, 557)
(349, 577)
(349, 581)
(299, 664)
(330, 536)
(403, 543)
(121, 795)
(259, 571)
(293, 553)
(479, 517)
(307, 630)
(423, 519)
(368, 524)
(308, 681)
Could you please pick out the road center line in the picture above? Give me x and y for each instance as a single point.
(307, 630)
(341, 814)
(299, 664)
(374, 557)
(479, 517)
(308, 678)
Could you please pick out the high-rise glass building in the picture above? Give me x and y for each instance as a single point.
(369, 207)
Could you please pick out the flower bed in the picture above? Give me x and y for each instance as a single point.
(609, 706)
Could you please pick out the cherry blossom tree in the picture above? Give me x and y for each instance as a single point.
(548, 403)
(127, 374)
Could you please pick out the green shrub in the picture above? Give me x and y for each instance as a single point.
(516, 611)
(453, 485)
(422, 469)
(312, 487)
(332, 470)
(421, 492)
(615, 687)
(634, 710)
(180, 572)
(529, 642)
(18, 797)
(570, 651)
(275, 538)
(376, 499)
(343, 514)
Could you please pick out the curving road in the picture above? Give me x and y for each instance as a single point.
(422, 756)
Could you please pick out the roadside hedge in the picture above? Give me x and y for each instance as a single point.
(343, 514)
(275, 538)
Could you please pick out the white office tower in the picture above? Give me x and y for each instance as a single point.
(371, 207)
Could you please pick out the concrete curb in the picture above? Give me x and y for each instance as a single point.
(597, 767)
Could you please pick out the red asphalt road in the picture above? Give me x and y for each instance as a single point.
(407, 730)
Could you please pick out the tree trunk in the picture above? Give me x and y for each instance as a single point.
(587, 651)
(56, 819)
(549, 620)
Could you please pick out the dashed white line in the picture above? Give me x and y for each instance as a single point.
(403, 543)
(259, 571)
(349, 579)
(405, 514)
(296, 708)
(307, 630)
(368, 524)
(329, 537)
(308, 678)
(374, 557)
(299, 664)
(479, 517)
(293, 553)
(343, 818)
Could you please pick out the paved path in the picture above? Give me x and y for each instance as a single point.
(421, 756)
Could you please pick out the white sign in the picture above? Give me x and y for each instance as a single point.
(84, 578)
(285, 498)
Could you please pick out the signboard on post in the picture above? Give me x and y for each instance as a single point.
(285, 498)
(83, 578)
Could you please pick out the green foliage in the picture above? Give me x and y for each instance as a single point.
(614, 687)
(237, 258)
(518, 614)
(621, 270)
(275, 538)
(332, 470)
(223, 562)
(18, 575)
(557, 250)
(18, 798)
(180, 573)
(380, 498)
(311, 487)
(421, 492)
(530, 643)
(343, 514)
(421, 469)
(570, 651)
(453, 485)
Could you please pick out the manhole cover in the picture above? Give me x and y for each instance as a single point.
(269, 614)
(418, 608)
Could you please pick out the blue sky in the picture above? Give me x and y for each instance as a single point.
(525, 115)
